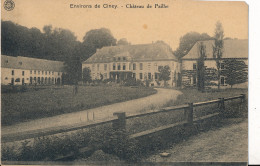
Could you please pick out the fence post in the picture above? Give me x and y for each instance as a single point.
(243, 97)
(189, 114)
(120, 123)
(222, 106)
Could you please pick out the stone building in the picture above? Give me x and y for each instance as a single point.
(138, 61)
(24, 71)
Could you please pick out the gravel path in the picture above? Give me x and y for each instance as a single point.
(226, 144)
(97, 114)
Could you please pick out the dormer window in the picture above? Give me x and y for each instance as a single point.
(20, 63)
(6, 61)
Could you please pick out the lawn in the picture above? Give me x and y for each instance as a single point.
(193, 95)
(23, 106)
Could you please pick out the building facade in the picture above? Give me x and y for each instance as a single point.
(233, 49)
(141, 62)
(24, 71)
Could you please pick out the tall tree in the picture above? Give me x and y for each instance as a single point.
(235, 71)
(201, 67)
(123, 41)
(164, 73)
(96, 39)
(86, 75)
(218, 47)
(187, 41)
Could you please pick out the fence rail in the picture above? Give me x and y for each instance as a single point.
(120, 121)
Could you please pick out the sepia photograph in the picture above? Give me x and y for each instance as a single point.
(124, 82)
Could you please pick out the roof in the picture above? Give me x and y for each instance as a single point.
(235, 48)
(31, 63)
(142, 52)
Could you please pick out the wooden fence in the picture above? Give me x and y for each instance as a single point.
(119, 122)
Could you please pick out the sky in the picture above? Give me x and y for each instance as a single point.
(138, 26)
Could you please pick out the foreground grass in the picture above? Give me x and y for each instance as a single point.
(193, 95)
(18, 107)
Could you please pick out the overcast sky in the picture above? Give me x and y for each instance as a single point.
(137, 25)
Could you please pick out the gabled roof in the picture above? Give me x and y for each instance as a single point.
(142, 52)
(31, 63)
(232, 49)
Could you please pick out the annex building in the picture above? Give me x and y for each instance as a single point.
(233, 49)
(141, 62)
(24, 71)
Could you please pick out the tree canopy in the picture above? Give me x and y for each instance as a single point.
(164, 73)
(187, 41)
(54, 44)
(235, 71)
(123, 41)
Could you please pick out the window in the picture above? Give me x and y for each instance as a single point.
(141, 76)
(222, 80)
(118, 58)
(134, 66)
(105, 67)
(124, 58)
(45, 72)
(149, 76)
(149, 66)
(22, 81)
(124, 66)
(39, 72)
(93, 67)
(12, 72)
(129, 66)
(49, 73)
(42, 72)
(6, 61)
(141, 66)
(12, 81)
(156, 76)
(53, 73)
(114, 66)
(22, 73)
(114, 58)
(134, 75)
(118, 67)
(31, 72)
(97, 67)
(34, 71)
(194, 66)
(58, 73)
(20, 63)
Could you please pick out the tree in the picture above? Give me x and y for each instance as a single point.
(96, 39)
(235, 71)
(187, 41)
(201, 67)
(218, 47)
(86, 75)
(122, 41)
(164, 73)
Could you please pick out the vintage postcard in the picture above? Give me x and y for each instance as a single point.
(122, 82)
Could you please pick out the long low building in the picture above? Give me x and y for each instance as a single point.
(141, 62)
(23, 70)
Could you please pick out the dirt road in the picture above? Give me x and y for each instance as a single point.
(97, 114)
(225, 144)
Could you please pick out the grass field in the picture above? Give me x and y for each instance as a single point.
(23, 106)
(193, 95)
